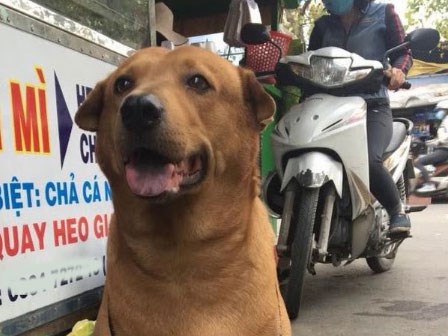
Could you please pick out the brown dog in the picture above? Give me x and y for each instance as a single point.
(190, 249)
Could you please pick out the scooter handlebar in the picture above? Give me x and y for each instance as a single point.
(406, 85)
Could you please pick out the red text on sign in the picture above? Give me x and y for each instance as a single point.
(29, 112)
(21, 239)
(70, 231)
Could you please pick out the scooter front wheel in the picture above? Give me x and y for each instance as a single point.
(303, 219)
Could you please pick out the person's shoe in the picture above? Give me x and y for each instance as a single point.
(427, 187)
(399, 223)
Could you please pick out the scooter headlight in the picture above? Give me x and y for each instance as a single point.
(329, 72)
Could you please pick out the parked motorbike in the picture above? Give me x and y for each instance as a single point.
(320, 186)
(438, 173)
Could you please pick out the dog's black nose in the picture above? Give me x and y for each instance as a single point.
(141, 112)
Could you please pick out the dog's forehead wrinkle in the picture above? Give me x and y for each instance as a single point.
(145, 64)
(202, 62)
(145, 54)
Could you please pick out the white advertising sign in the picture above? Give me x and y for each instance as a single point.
(54, 201)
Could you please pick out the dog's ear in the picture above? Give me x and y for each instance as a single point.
(260, 101)
(88, 115)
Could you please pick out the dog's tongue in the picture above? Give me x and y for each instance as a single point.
(152, 181)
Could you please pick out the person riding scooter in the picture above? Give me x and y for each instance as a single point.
(320, 186)
(437, 156)
(347, 28)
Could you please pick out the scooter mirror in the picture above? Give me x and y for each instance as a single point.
(254, 33)
(423, 39)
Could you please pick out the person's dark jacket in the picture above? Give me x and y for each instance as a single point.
(378, 29)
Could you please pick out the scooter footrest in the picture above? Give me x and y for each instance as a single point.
(399, 235)
(415, 208)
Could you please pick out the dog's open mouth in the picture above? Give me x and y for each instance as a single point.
(150, 174)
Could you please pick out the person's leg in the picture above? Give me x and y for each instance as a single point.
(438, 156)
(442, 156)
(423, 161)
(382, 186)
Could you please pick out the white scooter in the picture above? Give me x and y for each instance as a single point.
(321, 184)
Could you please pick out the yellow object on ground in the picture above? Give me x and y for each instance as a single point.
(83, 328)
(420, 68)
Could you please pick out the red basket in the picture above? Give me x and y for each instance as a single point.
(264, 57)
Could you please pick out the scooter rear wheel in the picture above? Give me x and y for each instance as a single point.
(381, 264)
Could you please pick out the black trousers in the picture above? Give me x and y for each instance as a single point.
(439, 155)
(379, 134)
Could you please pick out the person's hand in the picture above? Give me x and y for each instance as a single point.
(397, 78)
(432, 142)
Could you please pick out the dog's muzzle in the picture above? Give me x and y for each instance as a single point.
(141, 112)
(151, 169)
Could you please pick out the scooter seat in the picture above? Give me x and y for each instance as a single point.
(398, 136)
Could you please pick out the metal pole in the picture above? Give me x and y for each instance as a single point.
(152, 41)
(275, 8)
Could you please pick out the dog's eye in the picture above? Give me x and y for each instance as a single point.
(123, 84)
(198, 82)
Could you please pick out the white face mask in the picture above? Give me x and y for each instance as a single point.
(338, 7)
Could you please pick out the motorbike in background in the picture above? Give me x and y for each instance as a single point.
(439, 172)
(320, 185)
